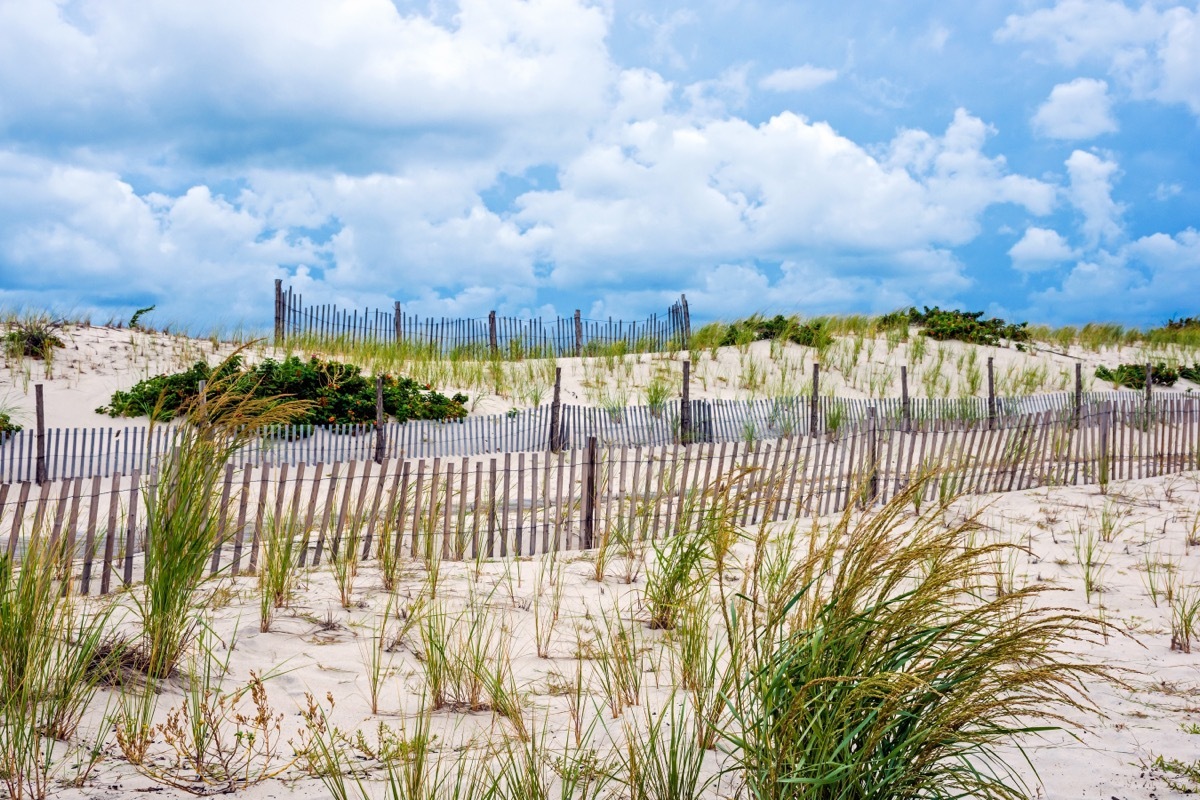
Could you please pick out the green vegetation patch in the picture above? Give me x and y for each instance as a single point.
(963, 326)
(1133, 376)
(35, 337)
(1183, 324)
(7, 425)
(813, 333)
(339, 392)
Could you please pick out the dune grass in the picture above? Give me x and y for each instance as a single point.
(53, 656)
(886, 675)
(184, 513)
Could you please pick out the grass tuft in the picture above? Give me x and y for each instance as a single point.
(883, 678)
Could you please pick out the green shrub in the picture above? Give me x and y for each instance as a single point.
(163, 397)
(339, 393)
(963, 326)
(7, 425)
(807, 334)
(1133, 376)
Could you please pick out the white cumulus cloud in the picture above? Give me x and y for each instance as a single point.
(1040, 249)
(1153, 50)
(1080, 109)
(658, 194)
(1090, 191)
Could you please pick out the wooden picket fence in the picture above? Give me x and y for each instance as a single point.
(538, 502)
(561, 337)
(106, 451)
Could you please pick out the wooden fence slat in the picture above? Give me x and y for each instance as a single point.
(110, 539)
(131, 526)
(239, 530)
(89, 542)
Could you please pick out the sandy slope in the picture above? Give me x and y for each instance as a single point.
(97, 361)
(319, 647)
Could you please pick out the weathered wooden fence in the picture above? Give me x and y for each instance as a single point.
(562, 336)
(529, 503)
(90, 452)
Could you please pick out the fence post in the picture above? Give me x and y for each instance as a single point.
(991, 395)
(1079, 392)
(905, 406)
(41, 434)
(379, 418)
(492, 345)
(278, 310)
(202, 389)
(873, 454)
(590, 468)
(1103, 466)
(556, 413)
(685, 405)
(578, 334)
(687, 323)
(816, 399)
(1149, 382)
(396, 322)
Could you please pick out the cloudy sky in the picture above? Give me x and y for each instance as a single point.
(1038, 160)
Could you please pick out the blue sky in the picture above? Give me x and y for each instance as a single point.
(1037, 160)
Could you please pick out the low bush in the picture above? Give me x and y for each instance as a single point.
(963, 326)
(791, 329)
(339, 393)
(7, 425)
(1133, 376)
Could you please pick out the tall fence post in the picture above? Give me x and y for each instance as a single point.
(685, 405)
(279, 311)
(991, 408)
(380, 444)
(1079, 392)
(202, 393)
(905, 405)
(41, 434)
(590, 470)
(1149, 383)
(578, 334)
(556, 413)
(493, 347)
(816, 400)
(873, 454)
(1103, 467)
(397, 322)
(687, 323)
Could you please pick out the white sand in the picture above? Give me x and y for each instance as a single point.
(1156, 714)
